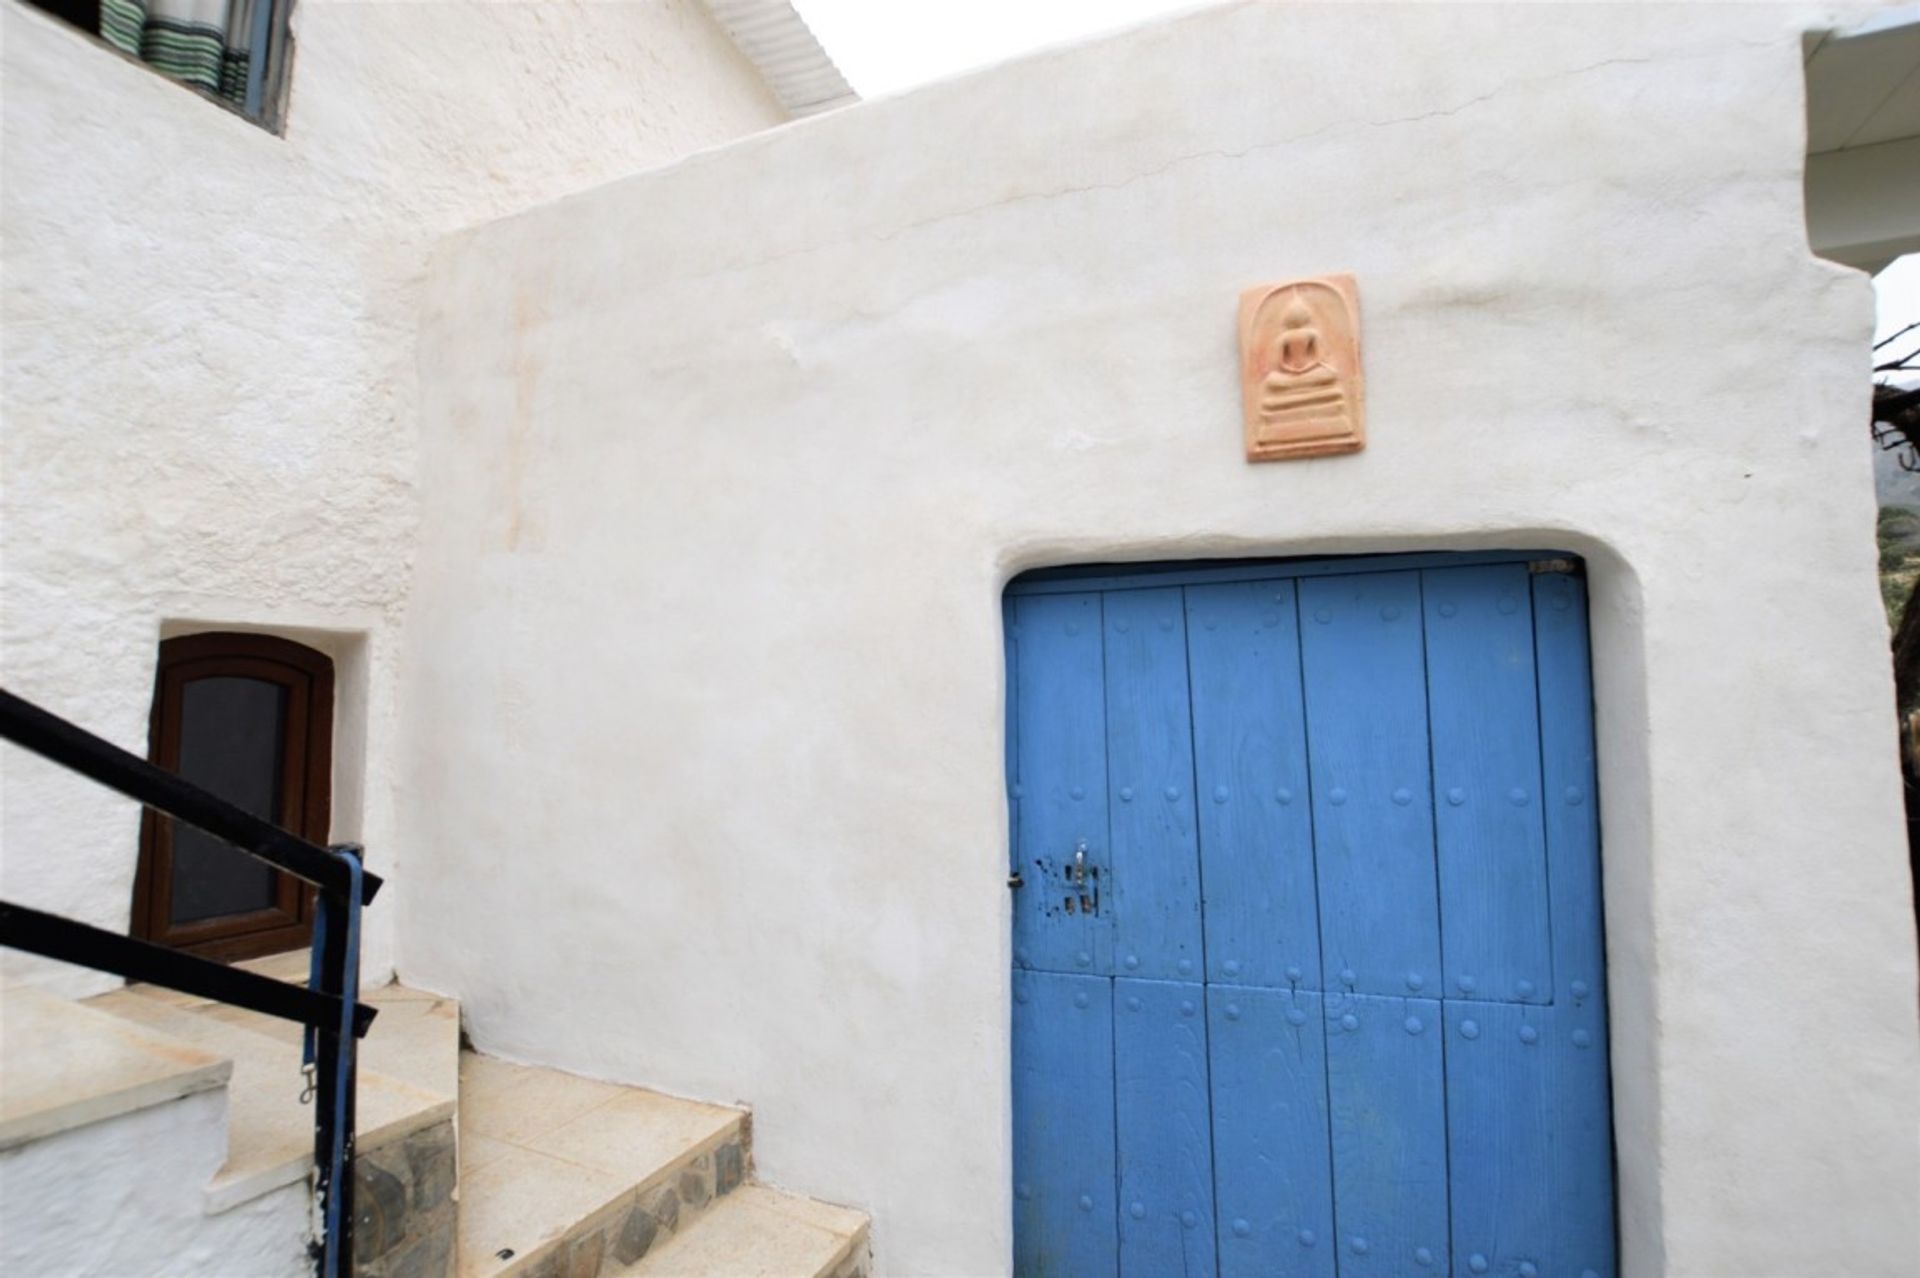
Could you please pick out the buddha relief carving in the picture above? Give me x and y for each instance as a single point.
(1300, 368)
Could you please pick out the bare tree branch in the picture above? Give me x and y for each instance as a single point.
(1891, 338)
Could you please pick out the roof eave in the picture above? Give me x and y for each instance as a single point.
(777, 40)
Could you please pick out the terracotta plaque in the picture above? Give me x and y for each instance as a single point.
(1300, 368)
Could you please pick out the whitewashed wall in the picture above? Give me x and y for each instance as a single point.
(725, 467)
(209, 384)
(128, 1195)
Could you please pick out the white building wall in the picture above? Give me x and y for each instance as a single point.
(128, 1195)
(209, 378)
(725, 467)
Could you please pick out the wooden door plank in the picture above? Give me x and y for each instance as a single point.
(1366, 698)
(1250, 768)
(1386, 1095)
(1570, 789)
(1529, 1140)
(1488, 830)
(1155, 882)
(1063, 1126)
(1163, 1130)
(1273, 1174)
(1060, 796)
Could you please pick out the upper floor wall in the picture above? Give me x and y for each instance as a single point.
(208, 337)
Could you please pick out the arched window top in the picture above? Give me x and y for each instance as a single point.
(245, 646)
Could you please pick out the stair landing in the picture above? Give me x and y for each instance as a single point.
(569, 1177)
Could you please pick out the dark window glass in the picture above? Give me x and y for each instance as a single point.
(232, 732)
(84, 14)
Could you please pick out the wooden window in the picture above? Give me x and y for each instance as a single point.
(249, 717)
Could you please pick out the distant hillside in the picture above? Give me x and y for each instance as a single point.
(1899, 557)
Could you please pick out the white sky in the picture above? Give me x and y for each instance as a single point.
(1898, 292)
(885, 46)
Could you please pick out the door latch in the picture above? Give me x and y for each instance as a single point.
(1084, 879)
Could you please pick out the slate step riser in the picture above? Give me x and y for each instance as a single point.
(643, 1219)
(403, 1206)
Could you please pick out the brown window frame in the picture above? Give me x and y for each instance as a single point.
(306, 785)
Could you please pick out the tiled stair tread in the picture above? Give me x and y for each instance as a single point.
(292, 965)
(269, 1131)
(416, 1037)
(757, 1232)
(545, 1155)
(63, 1066)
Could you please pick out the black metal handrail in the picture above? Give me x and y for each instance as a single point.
(327, 1007)
(48, 734)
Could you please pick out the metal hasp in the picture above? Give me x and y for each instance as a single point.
(334, 1019)
(1081, 876)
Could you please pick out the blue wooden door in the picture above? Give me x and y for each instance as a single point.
(1307, 951)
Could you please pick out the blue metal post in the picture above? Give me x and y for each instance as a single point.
(332, 1052)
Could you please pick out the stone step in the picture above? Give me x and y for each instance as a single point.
(64, 1066)
(408, 1082)
(757, 1232)
(415, 1038)
(567, 1177)
(407, 1079)
(105, 1122)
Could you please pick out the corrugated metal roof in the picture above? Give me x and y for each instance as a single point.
(782, 48)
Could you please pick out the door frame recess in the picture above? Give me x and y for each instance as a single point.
(1194, 572)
